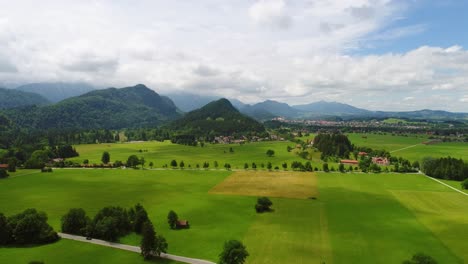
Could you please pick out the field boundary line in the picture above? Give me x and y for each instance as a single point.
(443, 183)
(405, 148)
(132, 249)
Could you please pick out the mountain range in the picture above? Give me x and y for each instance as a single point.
(56, 92)
(112, 108)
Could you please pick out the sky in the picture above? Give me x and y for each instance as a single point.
(393, 55)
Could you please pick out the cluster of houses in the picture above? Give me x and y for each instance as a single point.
(376, 160)
(244, 139)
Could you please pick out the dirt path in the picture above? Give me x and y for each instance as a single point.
(132, 249)
(404, 148)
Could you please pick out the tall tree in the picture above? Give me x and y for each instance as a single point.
(105, 157)
(172, 219)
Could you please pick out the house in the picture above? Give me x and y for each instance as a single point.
(381, 161)
(362, 153)
(4, 166)
(182, 224)
(349, 162)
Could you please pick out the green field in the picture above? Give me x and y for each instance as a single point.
(386, 141)
(365, 218)
(72, 252)
(161, 153)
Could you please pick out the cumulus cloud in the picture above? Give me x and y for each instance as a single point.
(234, 49)
(270, 13)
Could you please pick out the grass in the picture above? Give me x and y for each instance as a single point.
(72, 252)
(457, 150)
(371, 221)
(186, 192)
(357, 218)
(385, 141)
(454, 184)
(272, 184)
(161, 153)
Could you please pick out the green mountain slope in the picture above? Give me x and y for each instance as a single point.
(217, 118)
(111, 108)
(12, 98)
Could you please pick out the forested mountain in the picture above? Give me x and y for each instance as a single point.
(111, 108)
(274, 108)
(56, 92)
(188, 102)
(11, 98)
(216, 118)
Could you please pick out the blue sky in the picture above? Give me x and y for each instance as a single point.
(376, 54)
(437, 23)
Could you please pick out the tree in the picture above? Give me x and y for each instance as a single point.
(227, 166)
(464, 184)
(133, 161)
(215, 164)
(142, 162)
(263, 205)
(105, 157)
(325, 167)
(172, 219)
(151, 164)
(86, 161)
(148, 241)
(151, 243)
(270, 153)
(420, 258)
(3, 174)
(141, 216)
(5, 231)
(234, 252)
(12, 164)
(75, 222)
(173, 163)
(254, 166)
(285, 166)
(341, 168)
(31, 227)
(246, 166)
(269, 165)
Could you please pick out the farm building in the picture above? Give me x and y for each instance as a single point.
(4, 166)
(349, 162)
(380, 161)
(182, 224)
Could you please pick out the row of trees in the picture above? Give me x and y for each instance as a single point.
(445, 168)
(109, 223)
(28, 227)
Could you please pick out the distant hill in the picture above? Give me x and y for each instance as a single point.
(331, 109)
(270, 108)
(56, 92)
(188, 101)
(111, 108)
(12, 98)
(216, 118)
(424, 114)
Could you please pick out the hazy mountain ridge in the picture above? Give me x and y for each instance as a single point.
(12, 98)
(56, 92)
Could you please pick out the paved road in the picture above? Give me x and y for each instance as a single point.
(133, 249)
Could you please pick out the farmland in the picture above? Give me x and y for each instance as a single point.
(365, 218)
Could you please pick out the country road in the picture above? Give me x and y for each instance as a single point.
(132, 249)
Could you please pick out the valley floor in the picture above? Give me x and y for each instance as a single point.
(355, 218)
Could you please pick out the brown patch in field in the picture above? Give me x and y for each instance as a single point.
(298, 185)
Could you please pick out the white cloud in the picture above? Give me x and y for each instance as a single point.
(213, 47)
(270, 13)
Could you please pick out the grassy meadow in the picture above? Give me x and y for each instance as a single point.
(161, 153)
(356, 218)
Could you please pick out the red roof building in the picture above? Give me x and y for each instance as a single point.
(350, 162)
(362, 153)
(4, 166)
